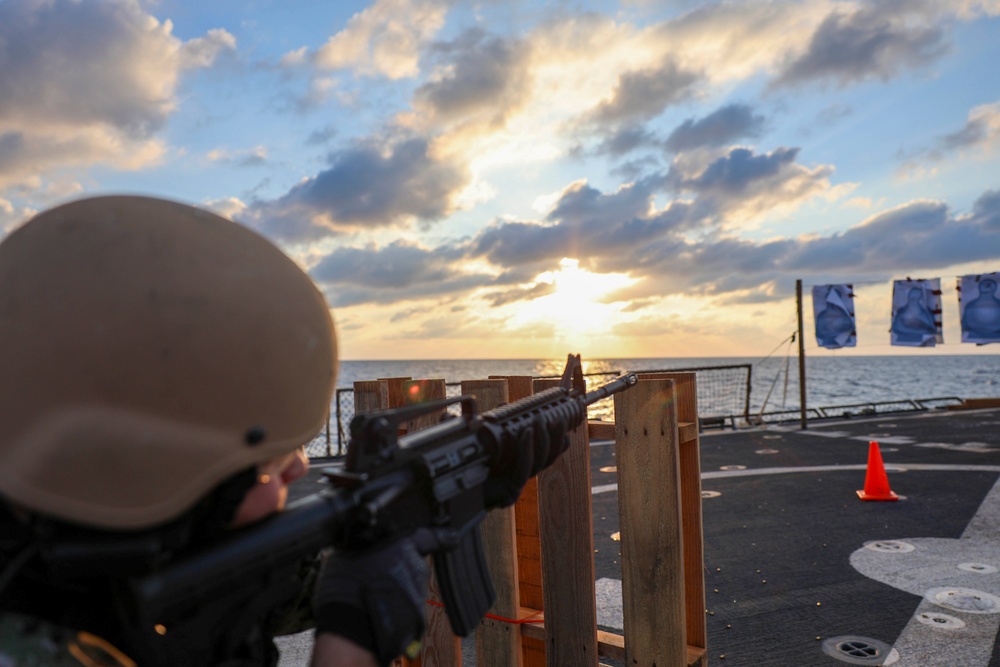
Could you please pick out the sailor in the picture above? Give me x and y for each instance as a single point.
(161, 370)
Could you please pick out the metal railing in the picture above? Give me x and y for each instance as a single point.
(718, 387)
(851, 410)
(722, 391)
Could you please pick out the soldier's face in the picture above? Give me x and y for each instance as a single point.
(270, 492)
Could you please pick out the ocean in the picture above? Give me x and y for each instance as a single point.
(830, 380)
(774, 382)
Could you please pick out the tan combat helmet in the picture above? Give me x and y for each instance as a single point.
(148, 351)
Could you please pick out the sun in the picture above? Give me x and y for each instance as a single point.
(573, 307)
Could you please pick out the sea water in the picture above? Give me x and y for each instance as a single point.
(830, 380)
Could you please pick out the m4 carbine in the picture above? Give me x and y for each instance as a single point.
(435, 483)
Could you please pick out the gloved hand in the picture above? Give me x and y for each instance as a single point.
(375, 598)
(537, 448)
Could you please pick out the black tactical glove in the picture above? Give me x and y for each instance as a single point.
(375, 598)
(538, 447)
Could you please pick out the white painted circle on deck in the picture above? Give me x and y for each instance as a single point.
(966, 600)
(890, 546)
(939, 620)
(978, 568)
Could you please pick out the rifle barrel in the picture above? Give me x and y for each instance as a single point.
(613, 387)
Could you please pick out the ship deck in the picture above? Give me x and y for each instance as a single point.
(800, 571)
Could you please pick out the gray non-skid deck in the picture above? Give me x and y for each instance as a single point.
(800, 571)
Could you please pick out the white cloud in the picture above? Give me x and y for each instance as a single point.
(979, 137)
(230, 207)
(980, 132)
(87, 82)
(202, 51)
(385, 39)
(242, 158)
(12, 216)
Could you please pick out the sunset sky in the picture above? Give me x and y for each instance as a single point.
(514, 179)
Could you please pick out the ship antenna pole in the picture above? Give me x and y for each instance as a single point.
(802, 356)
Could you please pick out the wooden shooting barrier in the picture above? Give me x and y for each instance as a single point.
(541, 551)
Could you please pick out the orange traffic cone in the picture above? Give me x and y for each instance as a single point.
(876, 481)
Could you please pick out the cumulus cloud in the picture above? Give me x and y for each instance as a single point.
(743, 184)
(872, 42)
(641, 72)
(922, 235)
(625, 140)
(12, 216)
(584, 224)
(365, 187)
(980, 132)
(386, 39)
(517, 294)
(986, 211)
(202, 51)
(719, 128)
(733, 41)
(644, 94)
(624, 231)
(228, 207)
(88, 82)
(396, 272)
(478, 75)
(979, 136)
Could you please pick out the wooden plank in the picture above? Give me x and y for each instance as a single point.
(976, 403)
(529, 552)
(566, 520)
(441, 646)
(370, 396)
(529, 566)
(687, 431)
(686, 399)
(397, 393)
(498, 643)
(611, 645)
(421, 391)
(650, 522)
(601, 430)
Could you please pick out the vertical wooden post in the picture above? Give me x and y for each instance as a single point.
(441, 646)
(689, 455)
(566, 521)
(420, 391)
(529, 550)
(498, 643)
(370, 396)
(802, 356)
(396, 390)
(646, 437)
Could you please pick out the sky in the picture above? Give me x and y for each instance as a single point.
(514, 179)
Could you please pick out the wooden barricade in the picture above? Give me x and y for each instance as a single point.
(540, 552)
(441, 647)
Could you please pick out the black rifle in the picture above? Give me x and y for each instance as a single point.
(389, 486)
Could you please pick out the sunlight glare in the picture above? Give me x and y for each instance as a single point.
(574, 307)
